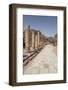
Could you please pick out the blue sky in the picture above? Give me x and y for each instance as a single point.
(46, 24)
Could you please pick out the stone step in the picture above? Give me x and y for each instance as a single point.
(29, 58)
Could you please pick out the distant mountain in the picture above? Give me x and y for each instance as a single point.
(53, 39)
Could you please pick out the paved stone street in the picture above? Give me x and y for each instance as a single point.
(44, 62)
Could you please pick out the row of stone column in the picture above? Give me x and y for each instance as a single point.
(35, 42)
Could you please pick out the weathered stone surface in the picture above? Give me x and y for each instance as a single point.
(33, 40)
(44, 62)
(27, 35)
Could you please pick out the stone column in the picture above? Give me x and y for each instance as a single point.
(36, 41)
(27, 34)
(33, 40)
(41, 40)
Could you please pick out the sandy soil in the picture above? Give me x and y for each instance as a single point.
(44, 62)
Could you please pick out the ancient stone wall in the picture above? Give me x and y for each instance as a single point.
(33, 39)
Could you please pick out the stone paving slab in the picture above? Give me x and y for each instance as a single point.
(44, 62)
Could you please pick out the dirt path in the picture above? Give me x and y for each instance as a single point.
(44, 62)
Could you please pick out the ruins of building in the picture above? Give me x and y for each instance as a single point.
(33, 43)
(33, 39)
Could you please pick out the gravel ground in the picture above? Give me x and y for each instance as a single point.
(44, 62)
